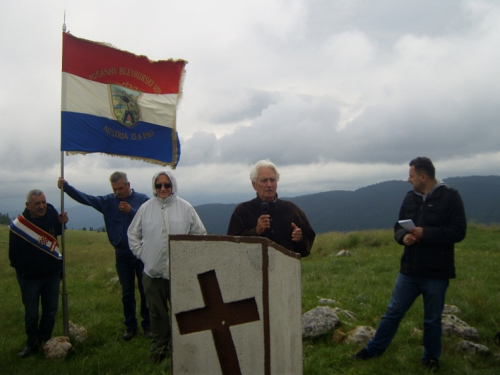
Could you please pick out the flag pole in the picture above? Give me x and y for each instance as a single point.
(63, 253)
(64, 293)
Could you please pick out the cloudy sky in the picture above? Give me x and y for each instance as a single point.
(340, 94)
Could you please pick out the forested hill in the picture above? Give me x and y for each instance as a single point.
(372, 207)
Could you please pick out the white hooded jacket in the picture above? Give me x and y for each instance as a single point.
(155, 220)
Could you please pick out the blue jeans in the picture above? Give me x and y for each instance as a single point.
(405, 292)
(129, 268)
(46, 289)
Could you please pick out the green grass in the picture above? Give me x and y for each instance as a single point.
(361, 283)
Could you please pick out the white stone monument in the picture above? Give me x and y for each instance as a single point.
(236, 306)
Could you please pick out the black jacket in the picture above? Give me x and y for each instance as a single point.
(442, 217)
(28, 260)
(283, 214)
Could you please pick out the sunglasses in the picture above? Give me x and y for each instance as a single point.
(167, 186)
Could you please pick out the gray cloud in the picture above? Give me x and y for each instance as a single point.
(342, 93)
(237, 105)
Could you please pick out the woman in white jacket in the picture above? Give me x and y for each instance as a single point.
(164, 214)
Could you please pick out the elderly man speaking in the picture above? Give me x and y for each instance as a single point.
(267, 216)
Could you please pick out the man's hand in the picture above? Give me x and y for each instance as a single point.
(415, 235)
(124, 207)
(263, 223)
(296, 233)
(418, 233)
(63, 217)
(61, 182)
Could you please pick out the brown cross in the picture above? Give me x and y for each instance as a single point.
(218, 316)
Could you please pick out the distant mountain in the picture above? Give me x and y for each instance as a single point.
(82, 216)
(372, 207)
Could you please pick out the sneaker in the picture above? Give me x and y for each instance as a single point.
(129, 334)
(432, 364)
(361, 355)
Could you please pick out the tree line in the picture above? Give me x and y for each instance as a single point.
(5, 219)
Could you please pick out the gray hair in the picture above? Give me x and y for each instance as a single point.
(35, 192)
(117, 176)
(266, 163)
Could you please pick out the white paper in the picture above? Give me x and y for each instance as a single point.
(407, 224)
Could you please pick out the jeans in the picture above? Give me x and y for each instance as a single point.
(158, 294)
(129, 268)
(405, 292)
(46, 289)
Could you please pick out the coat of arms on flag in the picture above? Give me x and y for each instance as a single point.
(119, 103)
(124, 103)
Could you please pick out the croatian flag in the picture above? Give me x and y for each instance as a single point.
(119, 103)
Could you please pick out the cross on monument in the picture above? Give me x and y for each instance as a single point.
(218, 316)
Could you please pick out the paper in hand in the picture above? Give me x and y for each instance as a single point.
(407, 224)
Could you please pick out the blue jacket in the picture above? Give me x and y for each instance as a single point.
(116, 222)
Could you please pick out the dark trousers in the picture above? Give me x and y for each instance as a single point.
(45, 289)
(129, 268)
(158, 295)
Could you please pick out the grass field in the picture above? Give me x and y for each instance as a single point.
(361, 283)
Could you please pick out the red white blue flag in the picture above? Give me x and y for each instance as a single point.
(35, 236)
(119, 103)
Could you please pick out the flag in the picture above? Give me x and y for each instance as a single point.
(119, 103)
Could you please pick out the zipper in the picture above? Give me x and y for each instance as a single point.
(419, 214)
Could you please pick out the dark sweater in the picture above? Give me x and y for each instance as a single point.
(283, 214)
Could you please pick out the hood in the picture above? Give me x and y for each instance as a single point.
(172, 180)
(439, 183)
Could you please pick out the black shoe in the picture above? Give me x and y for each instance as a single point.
(431, 364)
(131, 332)
(361, 355)
(147, 333)
(27, 351)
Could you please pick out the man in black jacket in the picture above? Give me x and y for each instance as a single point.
(281, 221)
(33, 252)
(427, 264)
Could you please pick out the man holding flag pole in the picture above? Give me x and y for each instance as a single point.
(119, 209)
